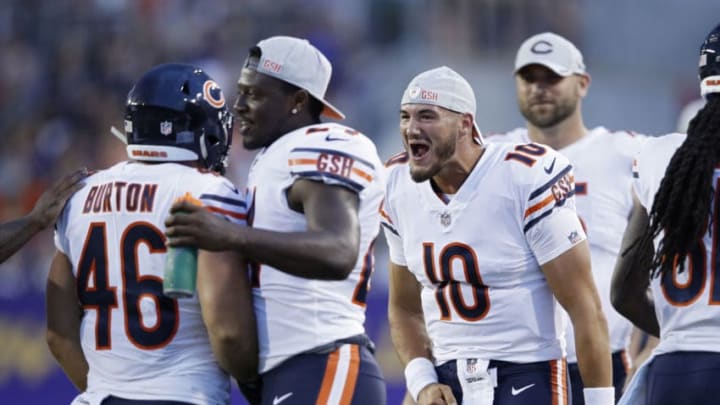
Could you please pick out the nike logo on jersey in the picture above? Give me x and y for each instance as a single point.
(550, 168)
(515, 391)
(279, 399)
(331, 138)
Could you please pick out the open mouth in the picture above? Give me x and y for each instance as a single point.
(418, 150)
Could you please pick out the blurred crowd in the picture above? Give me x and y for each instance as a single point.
(67, 65)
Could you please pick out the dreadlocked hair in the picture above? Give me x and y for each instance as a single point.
(683, 203)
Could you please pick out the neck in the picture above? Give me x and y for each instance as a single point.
(292, 123)
(299, 120)
(559, 135)
(453, 175)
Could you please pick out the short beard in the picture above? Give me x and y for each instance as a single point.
(557, 115)
(443, 153)
(251, 144)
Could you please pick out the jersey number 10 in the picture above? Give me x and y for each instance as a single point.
(450, 289)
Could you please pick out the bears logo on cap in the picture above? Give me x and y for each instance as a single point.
(541, 47)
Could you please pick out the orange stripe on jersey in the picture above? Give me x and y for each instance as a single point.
(400, 157)
(359, 172)
(351, 380)
(383, 213)
(313, 130)
(228, 213)
(539, 205)
(293, 162)
(362, 174)
(328, 379)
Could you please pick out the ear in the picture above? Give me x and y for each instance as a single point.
(583, 84)
(300, 100)
(467, 124)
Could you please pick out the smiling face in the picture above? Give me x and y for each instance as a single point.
(546, 98)
(262, 108)
(430, 135)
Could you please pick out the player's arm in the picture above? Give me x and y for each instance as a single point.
(410, 338)
(63, 314)
(227, 309)
(15, 234)
(570, 279)
(327, 250)
(641, 347)
(629, 291)
(405, 315)
(554, 232)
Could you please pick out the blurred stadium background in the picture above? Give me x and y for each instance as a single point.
(66, 66)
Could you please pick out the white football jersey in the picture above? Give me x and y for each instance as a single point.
(478, 256)
(140, 344)
(686, 304)
(296, 314)
(602, 162)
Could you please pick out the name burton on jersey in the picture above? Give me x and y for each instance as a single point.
(120, 196)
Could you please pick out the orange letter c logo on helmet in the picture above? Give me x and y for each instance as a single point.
(213, 94)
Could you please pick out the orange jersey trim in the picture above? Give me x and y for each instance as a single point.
(549, 199)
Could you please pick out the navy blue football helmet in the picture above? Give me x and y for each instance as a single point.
(710, 63)
(176, 112)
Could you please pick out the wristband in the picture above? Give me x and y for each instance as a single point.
(419, 373)
(599, 396)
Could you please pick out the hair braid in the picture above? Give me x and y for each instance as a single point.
(683, 202)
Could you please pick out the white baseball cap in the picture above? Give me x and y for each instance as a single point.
(296, 61)
(552, 51)
(444, 88)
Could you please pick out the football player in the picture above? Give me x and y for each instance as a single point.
(551, 82)
(315, 189)
(484, 243)
(672, 243)
(115, 334)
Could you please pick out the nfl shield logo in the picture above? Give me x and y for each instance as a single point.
(166, 128)
(414, 92)
(445, 219)
(574, 237)
(471, 366)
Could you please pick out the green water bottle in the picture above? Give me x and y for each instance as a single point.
(180, 276)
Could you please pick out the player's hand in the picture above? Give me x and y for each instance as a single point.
(436, 394)
(193, 225)
(51, 202)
